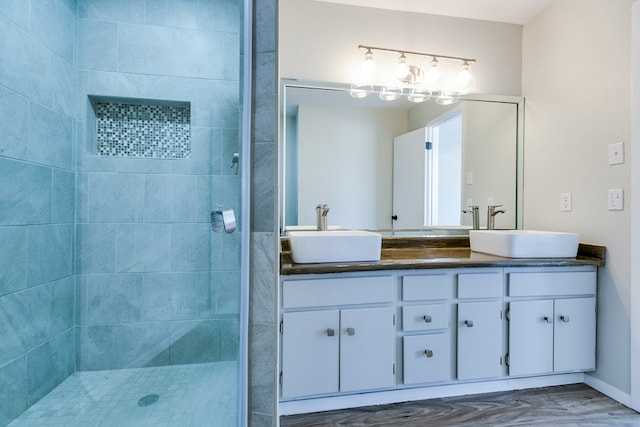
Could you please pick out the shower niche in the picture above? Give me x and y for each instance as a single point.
(139, 128)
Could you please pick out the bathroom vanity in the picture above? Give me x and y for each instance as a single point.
(432, 319)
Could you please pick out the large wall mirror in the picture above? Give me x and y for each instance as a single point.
(397, 166)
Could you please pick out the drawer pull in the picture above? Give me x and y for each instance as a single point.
(351, 331)
(468, 323)
(426, 318)
(331, 332)
(428, 353)
(547, 319)
(565, 319)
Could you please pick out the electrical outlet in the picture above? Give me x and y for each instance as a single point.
(566, 204)
(615, 201)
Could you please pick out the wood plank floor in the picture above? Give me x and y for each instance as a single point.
(567, 406)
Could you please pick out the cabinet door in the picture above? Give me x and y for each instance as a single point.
(367, 349)
(575, 334)
(310, 347)
(427, 358)
(530, 337)
(479, 340)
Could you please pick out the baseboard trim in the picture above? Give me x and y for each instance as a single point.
(432, 392)
(608, 390)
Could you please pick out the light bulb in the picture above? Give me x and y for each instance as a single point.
(369, 64)
(433, 74)
(402, 69)
(464, 77)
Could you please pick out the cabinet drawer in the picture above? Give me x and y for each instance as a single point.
(337, 291)
(480, 285)
(425, 317)
(427, 287)
(427, 358)
(552, 283)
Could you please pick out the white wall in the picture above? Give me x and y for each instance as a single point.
(339, 149)
(319, 41)
(576, 81)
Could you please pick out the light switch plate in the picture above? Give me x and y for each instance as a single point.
(566, 204)
(616, 153)
(615, 200)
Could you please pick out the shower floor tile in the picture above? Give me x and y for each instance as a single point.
(188, 395)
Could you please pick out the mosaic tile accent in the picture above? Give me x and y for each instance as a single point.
(143, 130)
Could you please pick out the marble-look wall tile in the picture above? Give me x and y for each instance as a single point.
(50, 137)
(197, 341)
(169, 198)
(63, 197)
(115, 197)
(200, 54)
(173, 13)
(50, 253)
(265, 92)
(13, 393)
(13, 259)
(229, 339)
(265, 26)
(95, 248)
(17, 11)
(190, 248)
(25, 193)
(223, 15)
(144, 49)
(97, 45)
(143, 247)
(64, 82)
(53, 24)
(123, 85)
(262, 361)
(25, 64)
(14, 110)
(174, 296)
(225, 292)
(111, 298)
(125, 345)
(32, 316)
(263, 296)
(48, 365)
(131, 11)
(264, 184)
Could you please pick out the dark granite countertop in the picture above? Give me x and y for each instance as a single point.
(440, 252)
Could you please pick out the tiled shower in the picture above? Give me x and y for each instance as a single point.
(107, 256)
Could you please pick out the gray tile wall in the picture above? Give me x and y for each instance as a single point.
(264, 235)
(155, 285)
(37, 191)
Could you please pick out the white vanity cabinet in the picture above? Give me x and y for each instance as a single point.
(338, 335)
(424, 333)
(426, 321)
(552, 321)
(480, 331)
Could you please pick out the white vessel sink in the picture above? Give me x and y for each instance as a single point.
(334, 246)
(525, 243)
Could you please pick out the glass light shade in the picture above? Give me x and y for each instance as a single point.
(464, 77)
(419, 94)
(390, 93)
(446, 98)
(359, 91)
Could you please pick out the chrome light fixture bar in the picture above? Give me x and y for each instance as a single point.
(412, 81)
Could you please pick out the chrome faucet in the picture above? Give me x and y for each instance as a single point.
(474, 210)
(492, 211)
(321, 216)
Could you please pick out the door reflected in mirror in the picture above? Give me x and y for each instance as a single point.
(352, 154)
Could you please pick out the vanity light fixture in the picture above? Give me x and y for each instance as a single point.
(418, 84)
